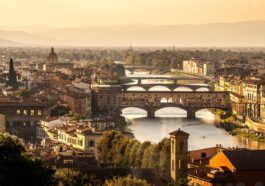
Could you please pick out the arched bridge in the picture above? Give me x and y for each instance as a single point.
(189, 101)
(174, 80)
(171, 87)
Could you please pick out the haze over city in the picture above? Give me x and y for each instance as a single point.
(188, 23)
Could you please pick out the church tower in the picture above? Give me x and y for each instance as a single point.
(179, 155)
(52, 58)
(12, 76)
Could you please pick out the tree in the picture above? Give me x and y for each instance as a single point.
(133, 152)
(128, 181)
(119, 156)
(75, 116)
(140, 153)
(147, 160)
(105, 147)
(19, 168)
(68, 177)
(59, 110)
(12, 77)
(164, 160)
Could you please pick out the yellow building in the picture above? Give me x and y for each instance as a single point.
(251, 98)
(237, 102)
(82, 138)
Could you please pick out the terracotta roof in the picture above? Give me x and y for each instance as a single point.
(179, 133)
(247, 159)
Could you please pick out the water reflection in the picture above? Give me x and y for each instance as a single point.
(202, 130)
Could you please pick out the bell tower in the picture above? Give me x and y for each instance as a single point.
(179, 155)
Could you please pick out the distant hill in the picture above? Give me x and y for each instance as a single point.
(241, 34)
(5, 43)
(24, 37)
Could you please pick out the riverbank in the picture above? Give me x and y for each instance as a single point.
(235, 126)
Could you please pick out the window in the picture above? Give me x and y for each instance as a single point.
(91, 143)
(68, 161)
(172, 165)
(203, 155)
(181, 146)
(18, 112)
(25, 112)
(39, 113)
(32, 112)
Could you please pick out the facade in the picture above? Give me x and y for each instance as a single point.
(215, 166)
(179, 155)
(247, 96)
(22, 116)
(196, 66)
(106, 98)
(78, 99)
(82, 136)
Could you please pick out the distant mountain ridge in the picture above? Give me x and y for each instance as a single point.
(240, 34)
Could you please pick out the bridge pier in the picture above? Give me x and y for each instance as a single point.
(191, 114)
(150, 113)
(139, 82)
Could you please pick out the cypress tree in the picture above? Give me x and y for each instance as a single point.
(12, 77)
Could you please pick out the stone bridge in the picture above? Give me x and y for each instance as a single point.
(174, 80)
(188, 101)
(132, 68)
(171, 87)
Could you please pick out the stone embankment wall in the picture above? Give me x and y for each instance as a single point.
(255, 126)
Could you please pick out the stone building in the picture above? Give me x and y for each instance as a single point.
(78, 98)
(178, 155)
(22, 116)
(215, 166)
(106, 99)
(52, 58)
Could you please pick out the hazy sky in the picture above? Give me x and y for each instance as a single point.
(69, 13)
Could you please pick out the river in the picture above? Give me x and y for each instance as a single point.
(202, 130)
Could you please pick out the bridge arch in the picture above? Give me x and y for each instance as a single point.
(204, 114)
(183, 89)
(171, 112)
(135, 88)
(159, 88)
(203, 89)
(134, 112)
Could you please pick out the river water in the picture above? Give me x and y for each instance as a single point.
(202, 130)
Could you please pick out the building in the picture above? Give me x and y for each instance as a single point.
(178, 155)
(198, 66)
(215, 166)
(106, 99)
(78, 98)
(52, 58)
(22, 116)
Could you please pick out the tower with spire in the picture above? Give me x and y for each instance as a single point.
(12, 76)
